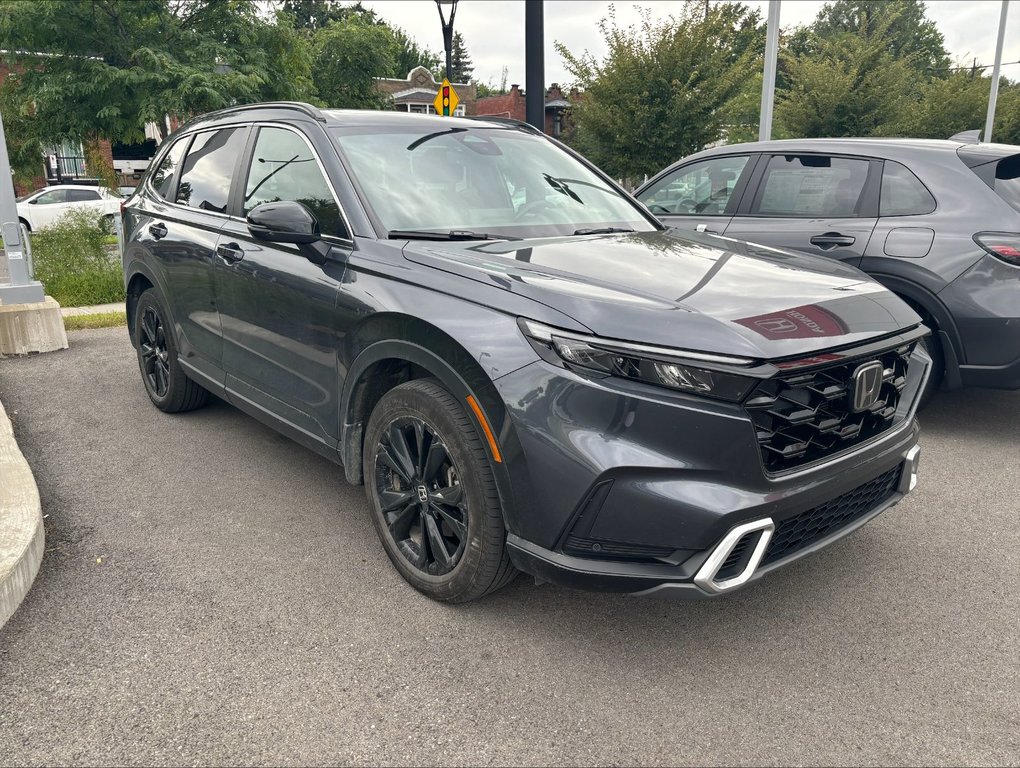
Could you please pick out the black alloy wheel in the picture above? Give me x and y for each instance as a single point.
(166, 383)
(433, 494)
(155, 356)
(420, 496)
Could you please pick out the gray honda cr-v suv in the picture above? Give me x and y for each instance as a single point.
(523, 368)
(937, 222)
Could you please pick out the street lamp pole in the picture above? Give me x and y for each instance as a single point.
(994, 92)
(447, 33)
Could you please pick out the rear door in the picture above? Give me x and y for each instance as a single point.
(701, 195)
(824, 205)
(47, 208)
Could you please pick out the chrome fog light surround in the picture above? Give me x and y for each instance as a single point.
(705, 578)
(908, 478)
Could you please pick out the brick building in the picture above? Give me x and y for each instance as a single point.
(418, 91)
(513, 105)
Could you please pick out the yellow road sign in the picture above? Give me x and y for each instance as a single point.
(446, 99)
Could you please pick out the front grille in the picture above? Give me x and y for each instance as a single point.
(805, 529)
(801, 418)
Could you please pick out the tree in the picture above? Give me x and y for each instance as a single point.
(908, 33)
(410, 55)
(313, 15)
(845, 85)
(661, 90)
(106, 68)
(959, 103)
(347, 57)
(462, 68)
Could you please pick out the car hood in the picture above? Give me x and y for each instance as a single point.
(685, 290)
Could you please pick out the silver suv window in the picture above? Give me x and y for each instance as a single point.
(702, 189)
(163, 178)
(903, 194)
(811, 185)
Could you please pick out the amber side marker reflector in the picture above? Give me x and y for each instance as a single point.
(485, 428)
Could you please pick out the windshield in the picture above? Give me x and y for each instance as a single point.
(498, 182)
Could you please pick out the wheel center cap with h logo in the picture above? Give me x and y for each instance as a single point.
(423, 494)
(867, 385)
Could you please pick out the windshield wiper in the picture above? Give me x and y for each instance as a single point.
(452, 234)
(602, 230)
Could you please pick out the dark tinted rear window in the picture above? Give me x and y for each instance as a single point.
(205, 178)
(903, 194)
(1007, 180)
(81, 195)
(163, 177)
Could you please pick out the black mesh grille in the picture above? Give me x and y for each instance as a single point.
(808, 527)
(804, 417)
(738, 558)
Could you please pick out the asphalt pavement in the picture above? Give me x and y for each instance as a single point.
(213, 593)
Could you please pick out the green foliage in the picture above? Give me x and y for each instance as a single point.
(346, 59)
(288, 53)
(461, 67)
(109, 67)
(313, 15)
(907, 33)
(409, 55)
(95, 320)
(848, 85)
(662, 90)
(489, 89)
(71, 262)
(23, 145)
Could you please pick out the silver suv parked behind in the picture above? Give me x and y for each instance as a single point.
(937, 222)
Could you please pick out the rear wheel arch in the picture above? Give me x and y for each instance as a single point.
(23, 220)
(137, 284)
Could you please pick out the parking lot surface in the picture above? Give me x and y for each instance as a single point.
(213, 593)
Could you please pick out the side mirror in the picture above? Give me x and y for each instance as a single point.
(33, 201)
(284, 222)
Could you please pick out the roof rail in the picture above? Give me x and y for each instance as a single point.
(506, 121)
(300, 106)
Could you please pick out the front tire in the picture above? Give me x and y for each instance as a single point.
(166, 383)
(433, 495)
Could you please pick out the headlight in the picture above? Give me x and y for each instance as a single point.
(660, 366)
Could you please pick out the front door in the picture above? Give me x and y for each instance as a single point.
(817, 204)
(700, 196)
(277, 307)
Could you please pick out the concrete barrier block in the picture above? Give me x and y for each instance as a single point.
(26, 328)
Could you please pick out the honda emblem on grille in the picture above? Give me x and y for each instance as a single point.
(867, 385)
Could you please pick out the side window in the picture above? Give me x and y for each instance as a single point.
(208, 168)
(82, 195)
(163, 178)
(903, 194)
(52, 197)
(284, 168)
(811, 185)
(703, 188)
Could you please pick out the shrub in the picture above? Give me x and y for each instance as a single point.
(72, 263)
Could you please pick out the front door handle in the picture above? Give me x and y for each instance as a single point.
(158, 231)
(704, 228)
(832, 240)
(230, 252)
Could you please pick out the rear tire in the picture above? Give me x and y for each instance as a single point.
(433, 495)
(166, 383)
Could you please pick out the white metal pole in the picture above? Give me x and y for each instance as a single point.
(993, 94)
(768, 85)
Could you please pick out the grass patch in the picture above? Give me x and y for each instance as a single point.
(72, 263)
(98, 320)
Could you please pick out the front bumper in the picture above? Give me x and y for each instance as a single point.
(699, 576)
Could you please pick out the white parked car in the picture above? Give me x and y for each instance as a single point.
(45, 206)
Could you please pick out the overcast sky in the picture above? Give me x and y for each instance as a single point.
(494, 29)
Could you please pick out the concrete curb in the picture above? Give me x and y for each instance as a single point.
(22, 540)
(93, 310)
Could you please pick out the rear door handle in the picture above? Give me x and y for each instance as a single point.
(230, 252)
(832, 240)
(158, 231)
